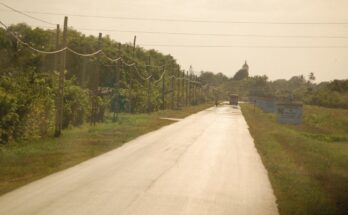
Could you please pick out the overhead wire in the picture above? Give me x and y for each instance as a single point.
(28, 45)
(158, 80)
(70, 50)
(111, 59)
(196, 34)
(27, 15)
(219, 34)
(153, 19)
(211, 34)
(238, 46)
(78, 53)
(84, 55)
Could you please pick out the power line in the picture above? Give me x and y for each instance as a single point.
(27, 15)
(181, 33)
(174, 20)
(168, 45)
(100, 51)
(80, 54)
(216, 34)
(208, 34)
(241, 46)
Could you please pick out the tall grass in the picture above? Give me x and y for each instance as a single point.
(307, 164)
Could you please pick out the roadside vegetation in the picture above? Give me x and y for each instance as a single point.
(29, 83)
(24, 162)
(307, 164)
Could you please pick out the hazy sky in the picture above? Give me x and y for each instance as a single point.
(326, 63)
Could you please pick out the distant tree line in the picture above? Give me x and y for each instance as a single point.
(332, 94)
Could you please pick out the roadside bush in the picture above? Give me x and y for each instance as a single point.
(26, 107)
(8, 116)
(76, 105)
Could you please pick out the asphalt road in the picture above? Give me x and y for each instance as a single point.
(204, 164)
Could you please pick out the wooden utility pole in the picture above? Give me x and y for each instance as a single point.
(149, 86)
(130, 108)
(149, 95)
(172, 91)
(163, 90)
(182, 99)
(186, 83)
(95, 87)
(117, 86)
(194, 90)
(134, 43)
(178, 89)
(56, 57)
(189, 89)
(60, 94)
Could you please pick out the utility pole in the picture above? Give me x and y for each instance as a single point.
(60, 99)
(189, 89)
(182, 99)
(117, 87)
(149, 95)
(163, 90)
(194, 90)
(56, 57)
(95, 87)
(83, 71)
(178, 89)
(172, 91)
(130, 110)
(149, 87)
(134, 43)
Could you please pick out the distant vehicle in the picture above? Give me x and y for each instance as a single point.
(233, 99)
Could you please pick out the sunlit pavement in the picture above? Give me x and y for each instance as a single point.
(203, 164)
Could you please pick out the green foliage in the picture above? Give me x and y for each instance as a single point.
(8, 116)
(333, 94)
(26, 106)
(241, 74)
(76, 105)
(328, 94)
(29, 82)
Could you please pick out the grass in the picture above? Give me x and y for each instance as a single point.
(22, 163)
(307, 164)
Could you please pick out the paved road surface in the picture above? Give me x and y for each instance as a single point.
(204, 164)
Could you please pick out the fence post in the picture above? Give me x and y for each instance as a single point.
(60, 100)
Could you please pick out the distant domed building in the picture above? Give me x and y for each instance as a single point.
(246, 66)
(242, 73)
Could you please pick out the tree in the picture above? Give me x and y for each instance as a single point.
(311, 77)
(241, 75)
